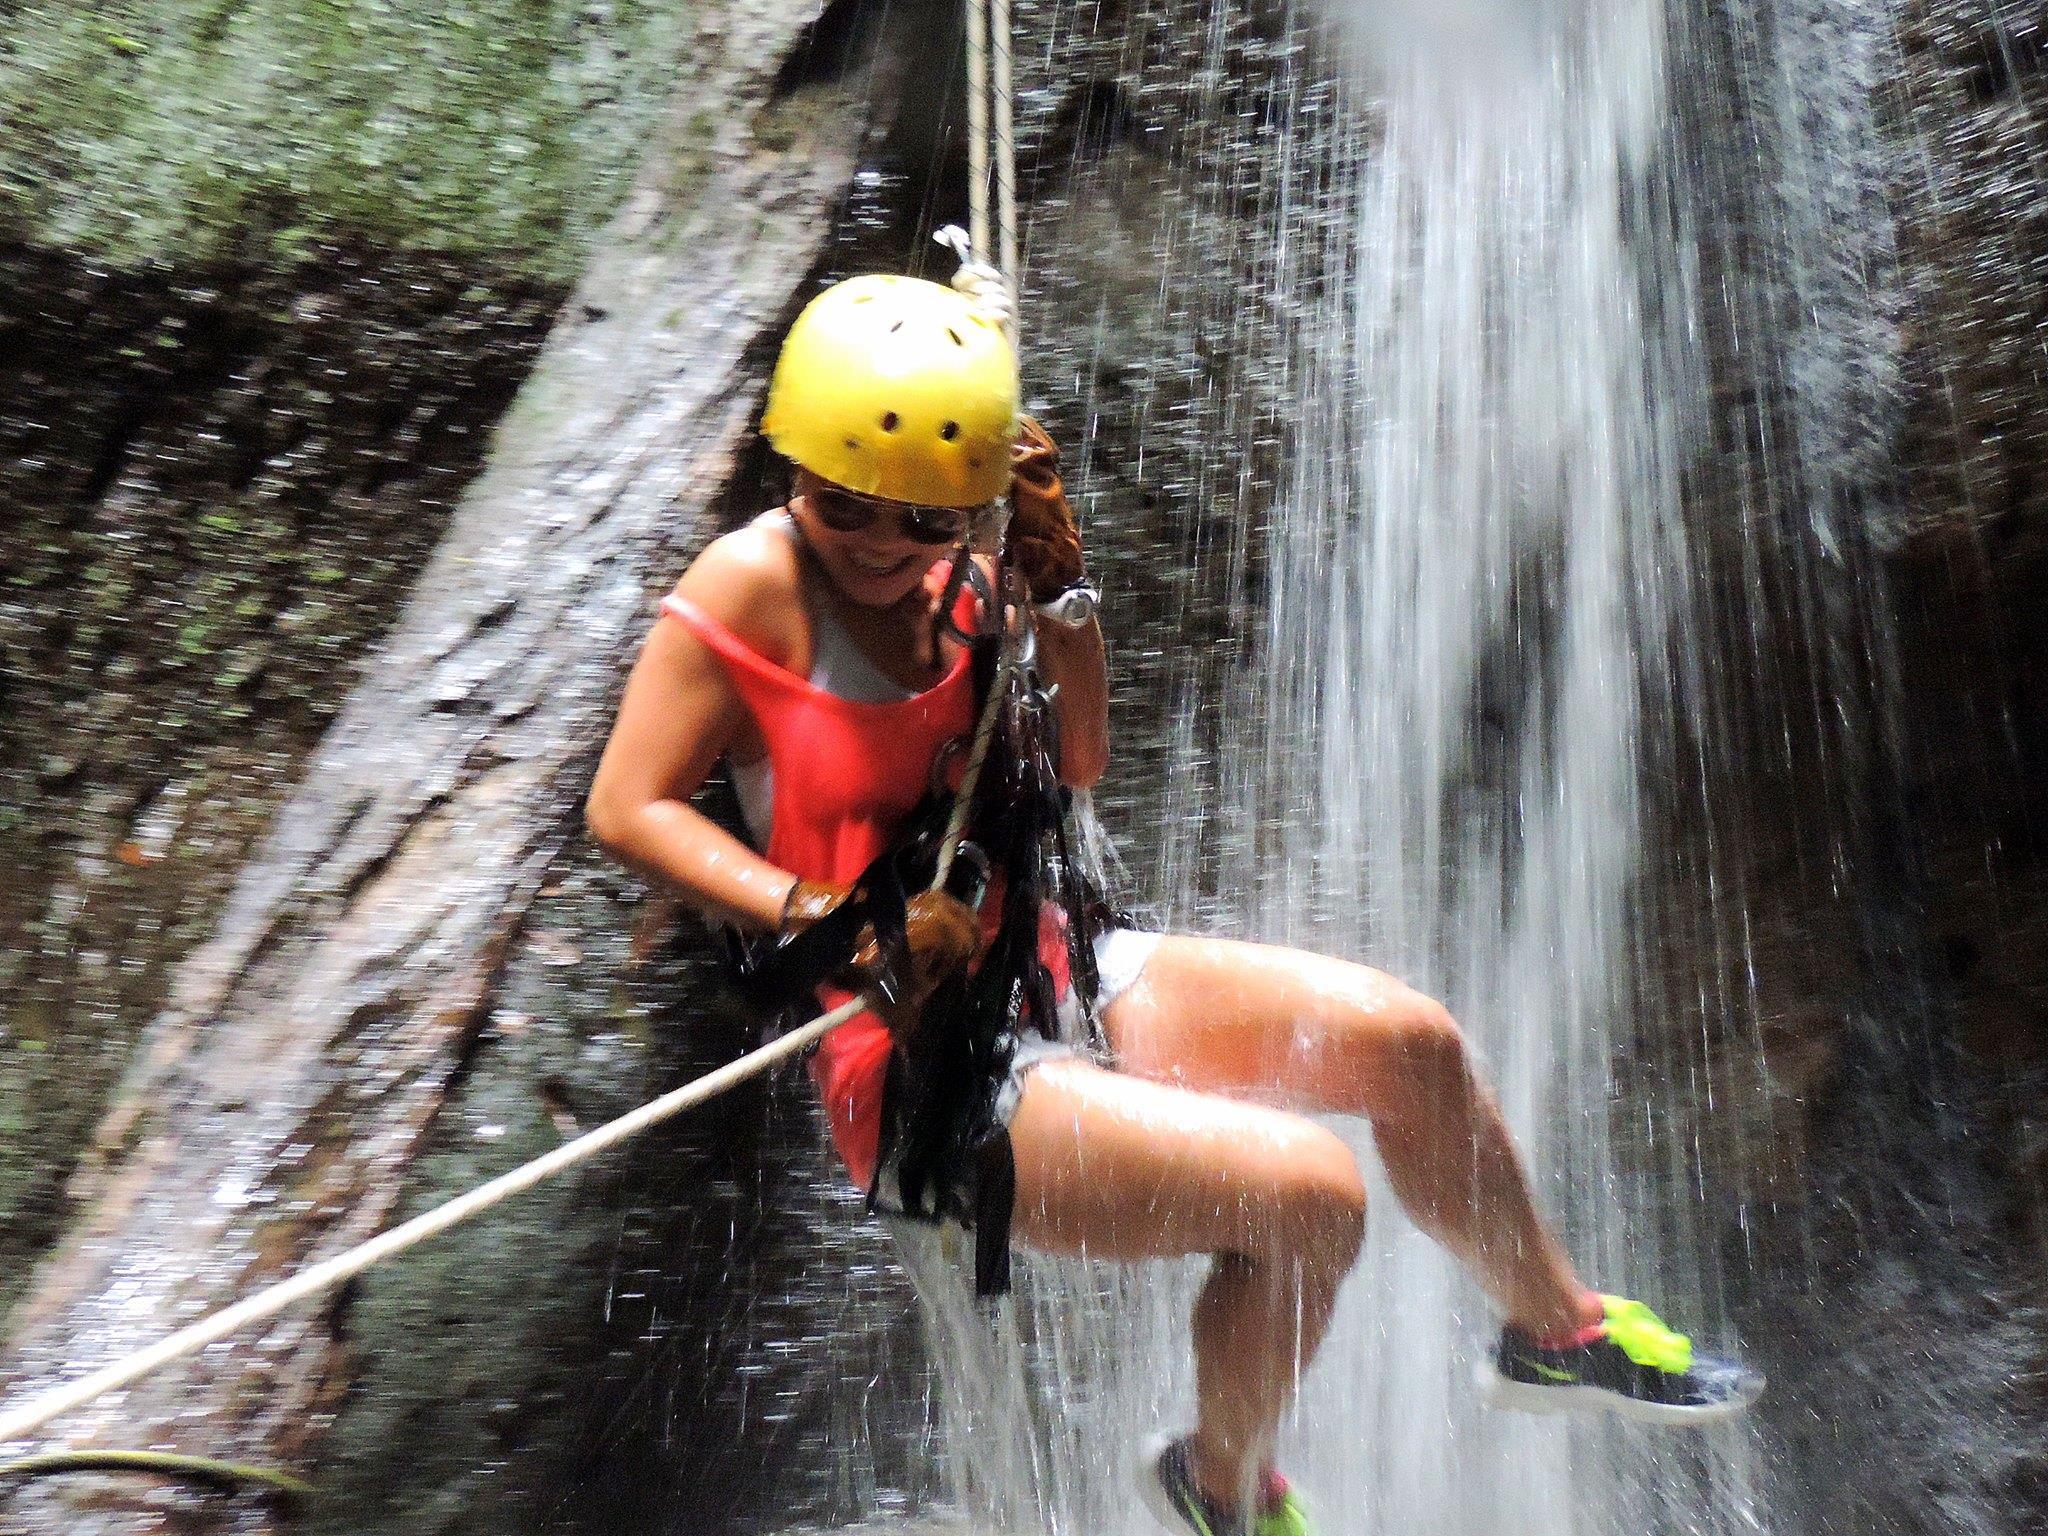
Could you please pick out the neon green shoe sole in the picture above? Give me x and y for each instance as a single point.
(1170, 1496)
(1635, 1367)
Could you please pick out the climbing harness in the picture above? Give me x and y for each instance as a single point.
(989, 83)
(945, 1088)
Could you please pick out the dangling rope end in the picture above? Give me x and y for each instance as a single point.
(956, 240)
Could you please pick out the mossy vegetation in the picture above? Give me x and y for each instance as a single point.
(192, 132)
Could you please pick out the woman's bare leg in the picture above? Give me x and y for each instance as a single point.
(1324, 1034)
(1119, 1168)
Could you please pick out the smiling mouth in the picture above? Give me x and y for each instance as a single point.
(878, 568)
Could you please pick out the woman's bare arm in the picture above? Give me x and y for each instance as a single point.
(678, 715)
(1074, 659)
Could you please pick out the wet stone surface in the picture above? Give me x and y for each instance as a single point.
(214, 495)
(269, 273)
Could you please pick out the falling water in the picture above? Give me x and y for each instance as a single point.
(1479, 583)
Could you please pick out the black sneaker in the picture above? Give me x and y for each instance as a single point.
(1169, 1492)
(1634, 1366)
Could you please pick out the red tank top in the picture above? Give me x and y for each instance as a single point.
(845, 776)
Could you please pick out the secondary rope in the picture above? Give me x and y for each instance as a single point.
(1005, 146)
(977, 125)
(193, 1469)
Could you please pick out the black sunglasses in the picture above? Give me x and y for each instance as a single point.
(846, 511)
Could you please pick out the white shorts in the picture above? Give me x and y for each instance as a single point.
(1120, 954)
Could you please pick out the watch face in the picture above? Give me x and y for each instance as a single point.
(1073, 607)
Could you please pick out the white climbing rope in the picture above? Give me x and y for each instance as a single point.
(40, 1410)
(311, 1281)
(977, 125)
(1005, 145)
(990, 124)
(989, 79)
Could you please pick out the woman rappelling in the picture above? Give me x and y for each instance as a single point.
(885, 697)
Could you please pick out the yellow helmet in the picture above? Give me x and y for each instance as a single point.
(898, 388)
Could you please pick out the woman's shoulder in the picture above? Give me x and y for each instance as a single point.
(749, 581)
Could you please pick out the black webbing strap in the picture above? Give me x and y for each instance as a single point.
(995, 1193)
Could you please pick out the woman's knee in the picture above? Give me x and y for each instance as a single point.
(1397, 1056)
(1317, 1202)
(1435, 1057)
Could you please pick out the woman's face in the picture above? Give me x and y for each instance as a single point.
(875, 551)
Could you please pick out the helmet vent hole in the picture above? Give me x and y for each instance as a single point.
(956, 337)
(950, 430)
(853, 442)
(891, 421)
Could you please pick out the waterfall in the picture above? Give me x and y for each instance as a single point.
(1480, 594)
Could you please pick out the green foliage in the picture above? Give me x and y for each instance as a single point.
(196, 130)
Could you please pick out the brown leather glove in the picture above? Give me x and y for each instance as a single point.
(941, 931)
(1044, 540)
(807, 901)
(943, 935)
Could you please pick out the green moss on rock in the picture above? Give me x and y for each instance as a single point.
(195, 131)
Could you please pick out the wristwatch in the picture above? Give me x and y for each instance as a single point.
(1073, 608)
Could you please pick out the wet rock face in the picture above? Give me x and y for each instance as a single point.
(1973, 577)
(1973, 233)
(1888, 850)
(1968, 109)
(268, 275)
(215, 491)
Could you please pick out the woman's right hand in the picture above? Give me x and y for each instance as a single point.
(941, 932)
